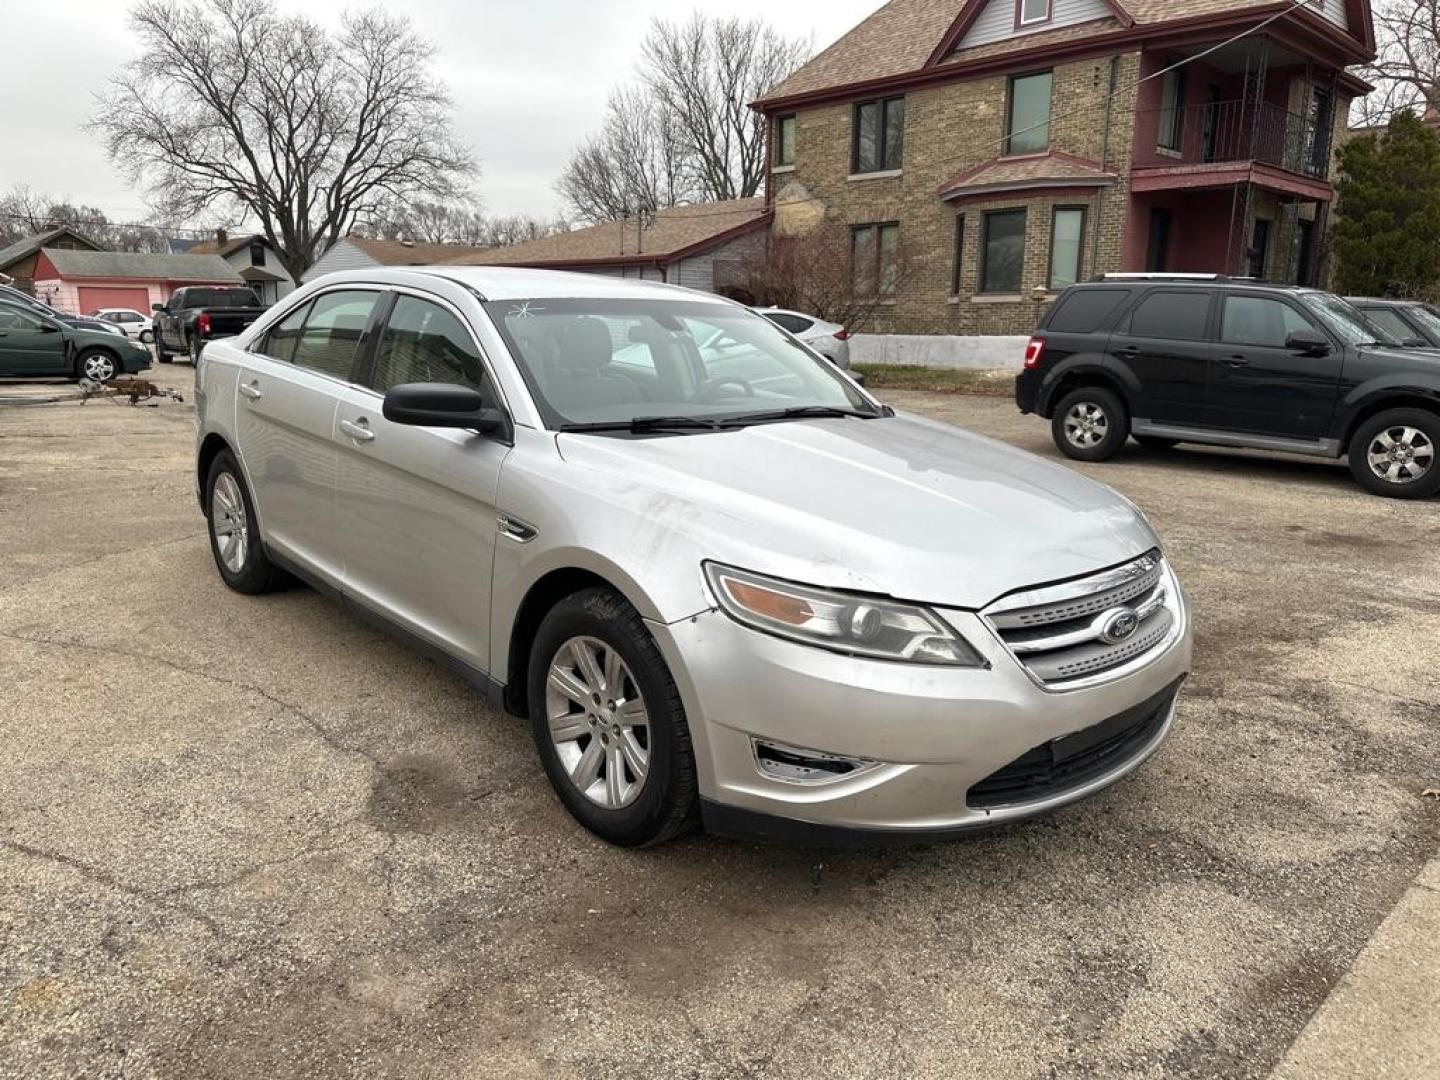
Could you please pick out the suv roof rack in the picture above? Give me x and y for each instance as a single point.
(1159, 276)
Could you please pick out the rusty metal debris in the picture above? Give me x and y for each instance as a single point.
(128, 387)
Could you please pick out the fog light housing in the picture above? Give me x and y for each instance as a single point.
(795, 765)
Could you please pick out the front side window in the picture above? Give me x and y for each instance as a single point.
(1067, 243)
(785, 142)
(615, 361)
(874, 259)
(1003, 263)
(1027, 114)
(879, 144)
(10, 319)
(425, 343)
(332, 332)
(1260, 322)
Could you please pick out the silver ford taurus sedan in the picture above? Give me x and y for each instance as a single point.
(724, 583)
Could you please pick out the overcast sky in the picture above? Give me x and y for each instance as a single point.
(529, 78)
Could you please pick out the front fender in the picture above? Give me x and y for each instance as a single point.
(1402, 388)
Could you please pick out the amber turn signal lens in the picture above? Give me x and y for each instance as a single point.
(790, 610)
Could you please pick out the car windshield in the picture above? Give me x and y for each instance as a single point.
(666, 363)
(1346, 320)
(1426, 316)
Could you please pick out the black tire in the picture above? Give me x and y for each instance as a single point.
(161, 354)
(195, 346)
(1106, 409)
(91, 357)
(1155, 442)
(146, 337)
(1415, 479)
(256, 574)
(666, 805)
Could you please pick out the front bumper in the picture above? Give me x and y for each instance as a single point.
(135, 362)
(933, 733)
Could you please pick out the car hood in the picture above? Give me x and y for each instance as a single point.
(1429, 354)
(120, 342)
(903, 507)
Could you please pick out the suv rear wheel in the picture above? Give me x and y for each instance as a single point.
(1397, 454)
(1090, 424)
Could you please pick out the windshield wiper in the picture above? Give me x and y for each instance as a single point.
(802, 412)
(642, 424)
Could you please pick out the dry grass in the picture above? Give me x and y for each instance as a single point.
(938, 380)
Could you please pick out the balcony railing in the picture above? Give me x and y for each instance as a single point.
(1234, 131)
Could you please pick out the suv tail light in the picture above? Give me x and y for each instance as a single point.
(202, 323)
(842, 334)
(1034, 353)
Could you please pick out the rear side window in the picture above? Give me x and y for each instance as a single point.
(279, 344)
(1182, 315)
(332, 332)
(1084, 311)
(1260, 321)
(794, 323)
(424, 343)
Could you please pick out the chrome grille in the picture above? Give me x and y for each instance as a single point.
(1093, 628)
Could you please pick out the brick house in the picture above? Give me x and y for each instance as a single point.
(1009, 147)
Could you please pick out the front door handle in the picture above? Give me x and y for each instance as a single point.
(1237, 361)
(1130, 351)
(252, 391)
(359, 430)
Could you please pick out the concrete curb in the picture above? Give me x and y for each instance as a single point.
(1383, 1020)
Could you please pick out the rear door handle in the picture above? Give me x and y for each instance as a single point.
(1237, 361)
(1129, 351)
(359, 430)
(252, 391)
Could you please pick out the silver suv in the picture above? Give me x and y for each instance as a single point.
(723, 582)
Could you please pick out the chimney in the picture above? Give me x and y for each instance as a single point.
(222, 237)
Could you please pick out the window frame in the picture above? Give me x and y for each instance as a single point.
(1022, 23)
(987, 218)
(780, 121)
(1218, 333)
(1210, 330)
(957, 272)
(1009, 132)
(876, 230)
(1055, 212)
(882, 145)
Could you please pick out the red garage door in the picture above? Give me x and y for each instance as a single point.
(95, 297)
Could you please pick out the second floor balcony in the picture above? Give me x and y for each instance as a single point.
(1224, 132)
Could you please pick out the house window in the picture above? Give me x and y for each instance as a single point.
(1172, 111)
(1067, 243)
(1002, 264)
(874, 255)
(1027, 114)
(879, 141)
(1032, 12)
(784, 142)
(959, 255)
(257, 253)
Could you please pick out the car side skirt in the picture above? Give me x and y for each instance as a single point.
(1326, 448)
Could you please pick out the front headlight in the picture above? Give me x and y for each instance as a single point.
(851, 624)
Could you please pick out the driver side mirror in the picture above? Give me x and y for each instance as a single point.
(445, 405)
(1308, 343)
(157, 307)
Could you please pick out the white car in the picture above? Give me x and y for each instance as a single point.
(830, 340)
(131, 323)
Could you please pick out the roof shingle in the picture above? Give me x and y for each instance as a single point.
(129, 264)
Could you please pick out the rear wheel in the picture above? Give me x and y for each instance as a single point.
(608, 722)
(1397, 454)
(195, 347)
(234, 535)
(1090, 424)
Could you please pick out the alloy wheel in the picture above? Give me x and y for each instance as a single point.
(99, 367)
(1401, 454)
(229, 523)
(1086, 425)
(598, 722)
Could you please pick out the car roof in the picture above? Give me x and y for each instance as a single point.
(511, 283)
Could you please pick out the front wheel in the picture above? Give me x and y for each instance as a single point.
(1090, 424)
(1395, 454)
(608, 722)
(96, 365)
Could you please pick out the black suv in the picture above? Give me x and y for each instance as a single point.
(1229, 362)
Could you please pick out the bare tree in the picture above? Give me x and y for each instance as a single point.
(635, 165)
(24, 213)
(1406, 71)
(455, 223)
(233, 105)
(814, 272)
(684, 132)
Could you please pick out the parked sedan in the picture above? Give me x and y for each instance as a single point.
(33, 343)
(80, 322)
(723, 588)
(830, 340)
(131, 322)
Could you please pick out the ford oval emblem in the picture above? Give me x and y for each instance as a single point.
(1120, 626)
